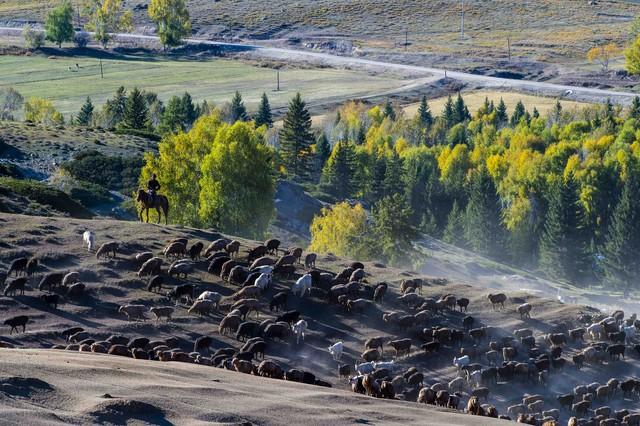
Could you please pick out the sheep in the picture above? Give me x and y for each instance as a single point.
(595, 331)
(181, 291)
(51, 300)
(230, 323)
(278, 301)
(247, 329)
(106, 249)
(195, 250)
(32, 266)
(15, 285)
(272, 246)
(375, 343)
(181, 268)
(379, 292)
(263, 269)
(17, 321)
(18, 265)
(268, 368)
(3, 278)
(88, 239)
(163, 311)
(298, 329)
(133, 311)
(263, 282)
(517, 409)
(51, 280)
(302, 285)
(216, 246)
(336, 350)
(296, 252)
(138, 342)
(401, 346)
(371, 355)
(462, 303)
(525, 310)
(201, 307)
(535, 406)
(119, 350)
(143, 257)
(463, 361)
(233, 248)
(365, 368)
(310, 260)
(212, 296)
(175, 249)
(76, 290)
(410, 299)
(150, 267)
(246, 293)
(358, 305)
(497, 299)
(155, 282)
(279, 330)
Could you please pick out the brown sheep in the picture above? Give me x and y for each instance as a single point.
(233, 248)
(401, 346)
(119, 350)
(297, 253)
(242, 366)
(426, 396)
(497, 299)
(310, 260)
(375, 343)
(150, 267)
(268, 368)
(262, 261)
(216, 246)
(107, 248)
(175, 249)
(371, 355)
(229, 323)
(272, 245)
(525, 310)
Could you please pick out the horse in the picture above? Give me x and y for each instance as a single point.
(159, 202)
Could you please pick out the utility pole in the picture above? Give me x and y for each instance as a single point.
(509, 47)
(406, 39)
(462, 22)
(277, 80)
(101, 71)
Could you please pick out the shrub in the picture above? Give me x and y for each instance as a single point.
(82, 39)
(32, 39)
(115, 173)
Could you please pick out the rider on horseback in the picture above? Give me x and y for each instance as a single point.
(153, 186)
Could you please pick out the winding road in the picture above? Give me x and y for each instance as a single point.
(577, 93)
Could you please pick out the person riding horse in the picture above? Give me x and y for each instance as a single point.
(153, 186)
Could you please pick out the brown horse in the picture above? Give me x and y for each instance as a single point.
(160, 202)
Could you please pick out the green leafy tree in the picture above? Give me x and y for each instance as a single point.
(263, 116)
(85, 116)
(238, 112)
(338, 175)
(10, 102)
(179, 114)
(632, 57)
(172, 21)
(33, 39)
(136, 111)
(237, 184)
(484, 231)
(58, 25)
(622, 244)
(454, 232)
(107, 17)
(296, 139)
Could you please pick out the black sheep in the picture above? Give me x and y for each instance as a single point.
(289, 317)
(155, 282)
(51, 300)
(18, 321)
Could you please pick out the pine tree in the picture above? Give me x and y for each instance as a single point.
(115, 107)
(377, 187)
(518, 113)
(189, 110)
(263, 116)
(562, 245)
(454, 230)
(392, 229)
(393, 175)
(424, 117)
(484, 231)
(634, 111)
(86, 113)
(323, 150)
(557, 112)
(501, 114)
(536, 113)
(338, 175)
(622, 245)
(361, 136)
(296, 138)
(448, 114)
(460, 111)
(609, 115)
(388, 111)
(136, 111)
(238, 112)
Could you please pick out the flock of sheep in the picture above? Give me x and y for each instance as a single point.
(483, 356)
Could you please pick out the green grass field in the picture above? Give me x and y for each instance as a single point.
(216, 80)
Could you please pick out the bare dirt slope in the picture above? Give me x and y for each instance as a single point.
(53, 387)
(56, 243)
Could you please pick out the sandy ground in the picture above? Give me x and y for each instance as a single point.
(57, 387)
(56, 242)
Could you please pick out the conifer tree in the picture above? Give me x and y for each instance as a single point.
(557, 112)
(377, 187)
(136, 111)
(338, 175)
(460, 111)
(189, 110)
(393, 175)
(86, 113)
(484, 231)
(622, 245)
(634, 111)
(518, 113)
(296, 139)
(237, 112)
(454, 230)
(361, 136)
(323, 150)
(263, 116)
(448, 114)
(425, 119)
(501, 114)
(388, 111)
(536, 113)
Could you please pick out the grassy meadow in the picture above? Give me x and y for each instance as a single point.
(67, 85)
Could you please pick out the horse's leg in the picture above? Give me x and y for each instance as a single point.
(166, 215)
(159, 214)
(140, 214)
(147, 214)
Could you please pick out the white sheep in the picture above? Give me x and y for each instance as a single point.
(133, 311)
(365, 367)
(474, 378)
(299, 328)
(263, 282)
(463, 361)
(302, 286)
(71, 278)
(264, 269)
(336, 350)
(212, 296)
(595, 331)
(456, 385)
(201, 307)
(630, 333)
(389, 365)
(88, 239)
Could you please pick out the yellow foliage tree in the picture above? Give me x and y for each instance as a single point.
(632, 56)
(603, 54)
(107, 17)
(339, 229)
(38, 110)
